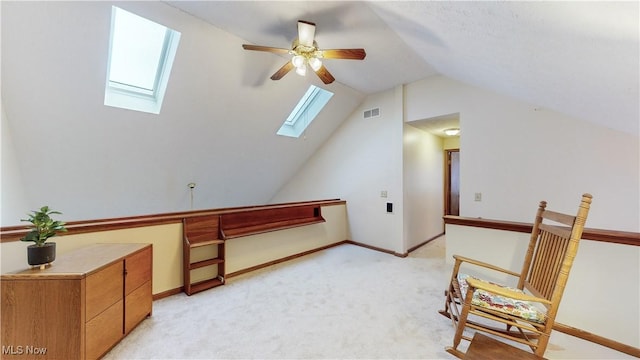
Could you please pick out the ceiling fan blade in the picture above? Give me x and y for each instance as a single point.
(306, 32)
(282, 71)
(351, 54)
(265, 48)
(325, 75)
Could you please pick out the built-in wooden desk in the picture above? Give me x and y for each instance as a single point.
(256, 221)
(212, 230)
(485, 348)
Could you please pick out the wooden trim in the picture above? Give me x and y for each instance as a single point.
(180, 289)
(597, 339)
(286, 258)
(251, 222)
(424, 242)
(585, 335)
(14, 233)
(488, 224)
(377, 249)
(627, 349)
(610, 236)
(269, 227)
(447, 180)
(167, 293)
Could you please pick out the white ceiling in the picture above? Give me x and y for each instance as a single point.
(339, 24)
(220, 114)
(578, 58)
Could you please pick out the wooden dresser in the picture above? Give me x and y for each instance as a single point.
(80, 306)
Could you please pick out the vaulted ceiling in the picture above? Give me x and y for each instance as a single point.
(221, 111)
(578, 58)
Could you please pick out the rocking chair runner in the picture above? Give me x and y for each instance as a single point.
(524, 314)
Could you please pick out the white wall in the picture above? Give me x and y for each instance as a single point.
(603, 292)
(423, 177)
(240, 253)
(517, 154)
(361, 159)
(513, 153)
(13, 201)
(452, 142)
(246, 252)
(217, 126)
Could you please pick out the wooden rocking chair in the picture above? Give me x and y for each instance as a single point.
(524, 314)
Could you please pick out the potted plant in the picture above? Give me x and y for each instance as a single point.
(43, 227)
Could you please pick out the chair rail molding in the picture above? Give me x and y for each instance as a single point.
(604, 235)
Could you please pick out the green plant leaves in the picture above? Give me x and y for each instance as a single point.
(43, 226)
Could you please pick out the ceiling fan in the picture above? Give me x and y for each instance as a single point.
(305, 52)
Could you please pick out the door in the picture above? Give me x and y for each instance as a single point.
(452, 181)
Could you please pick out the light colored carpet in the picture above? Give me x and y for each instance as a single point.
(346, 302)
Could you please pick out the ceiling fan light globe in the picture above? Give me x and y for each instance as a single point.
(298, 61)
(315, 63)
(301, 70)
(304, 51)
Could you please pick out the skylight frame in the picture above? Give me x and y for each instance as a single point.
(305, 111)
(159, 68)
(302, 105)
(132, 97)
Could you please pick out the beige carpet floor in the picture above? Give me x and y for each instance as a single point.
(346, 302)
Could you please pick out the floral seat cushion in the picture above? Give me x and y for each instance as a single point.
(482, 298)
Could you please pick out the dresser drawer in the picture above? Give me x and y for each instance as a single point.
(104, 288)
(138, 269)
(137, 306)
(76, 308)
(104, 331)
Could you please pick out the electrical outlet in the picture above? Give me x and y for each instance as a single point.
(478, 197)
(383, 193)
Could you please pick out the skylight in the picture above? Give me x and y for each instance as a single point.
(305, 111)
(141, 54)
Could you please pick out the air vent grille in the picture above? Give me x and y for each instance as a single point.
(371, 113)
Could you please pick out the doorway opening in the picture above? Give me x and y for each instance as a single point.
(452, 182)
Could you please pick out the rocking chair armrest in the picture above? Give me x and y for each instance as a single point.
(461, 259)
(499, 290)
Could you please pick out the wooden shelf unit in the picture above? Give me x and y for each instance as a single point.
(202, 232)
(80, 306)
(213, 230)
(251, 222)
